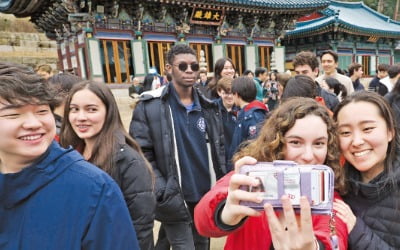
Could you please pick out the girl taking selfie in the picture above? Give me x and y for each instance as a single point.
(299, 130)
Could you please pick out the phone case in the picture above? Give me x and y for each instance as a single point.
(277, 178)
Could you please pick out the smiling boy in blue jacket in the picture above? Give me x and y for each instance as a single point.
(50, 197)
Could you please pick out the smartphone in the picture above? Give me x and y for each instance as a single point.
(277, 178)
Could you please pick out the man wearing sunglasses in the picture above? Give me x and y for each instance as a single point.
(181, 134)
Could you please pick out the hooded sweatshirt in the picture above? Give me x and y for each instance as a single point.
(63, 202)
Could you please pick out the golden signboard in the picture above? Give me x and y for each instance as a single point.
(207, 16)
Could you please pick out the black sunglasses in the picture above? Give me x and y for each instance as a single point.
(184, 66)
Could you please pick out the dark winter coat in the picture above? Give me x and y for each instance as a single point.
(135, 181)
(152, 127)
(373, 84)
(358, 85)
(377, 207)
(229, 119)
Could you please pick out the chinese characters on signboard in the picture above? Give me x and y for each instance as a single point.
(207, 16)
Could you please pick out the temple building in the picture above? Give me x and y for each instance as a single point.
(352, 29)
(112, 41)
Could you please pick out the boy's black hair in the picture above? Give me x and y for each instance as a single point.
(394, 70)
(247, 71)
(20, 85)
(337, 87)
(245, 87)
(300, 86)
(64, 82)
(179, 49)
(259, 71)
(383, 67)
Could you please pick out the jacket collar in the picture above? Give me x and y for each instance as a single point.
(255, 105)
(377, 188)
(16, 187)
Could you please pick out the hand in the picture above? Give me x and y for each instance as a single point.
(233, 212)
(247, 160)
(287, 233)
(343, 211)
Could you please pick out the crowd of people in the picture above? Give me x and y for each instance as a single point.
(72, 177)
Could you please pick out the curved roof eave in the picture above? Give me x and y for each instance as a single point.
(345, 29)
(369, 31)
(343, 18)
(323, 22)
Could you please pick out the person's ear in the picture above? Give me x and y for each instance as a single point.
(391, 134)
(316, 72)
(168, 68)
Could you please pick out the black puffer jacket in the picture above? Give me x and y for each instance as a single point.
(377, 207)
(152, 128)
(136, 183)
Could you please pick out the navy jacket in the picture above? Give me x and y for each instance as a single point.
(229, 122)
(358, 85)
(249, 122)
(63, 202)
(373, 84)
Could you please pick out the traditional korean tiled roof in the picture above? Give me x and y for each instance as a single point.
(350, 17)
(49, 16)
(28, 7)
(276, 4)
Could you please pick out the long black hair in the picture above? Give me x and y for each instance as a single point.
(393, 150)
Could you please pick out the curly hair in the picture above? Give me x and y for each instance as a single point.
(270, 143)
(306, 58)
